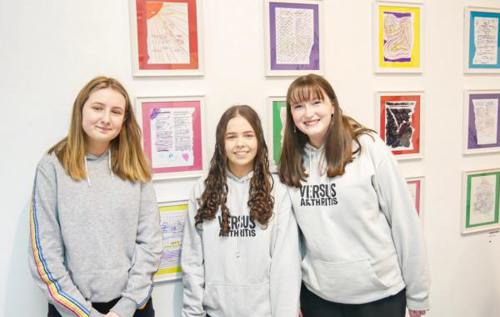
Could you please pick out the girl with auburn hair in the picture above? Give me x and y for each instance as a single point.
(94, 223)
(364, 249)
(240, 253)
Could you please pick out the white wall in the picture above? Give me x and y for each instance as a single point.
(50, 49)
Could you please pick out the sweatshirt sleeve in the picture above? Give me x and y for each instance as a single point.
(192, 262)
(148, 248)
(46, 258)
(406, 230)
(285, 276)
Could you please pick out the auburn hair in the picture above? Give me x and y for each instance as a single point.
(261, 201)
(127, 158)
(343, 130)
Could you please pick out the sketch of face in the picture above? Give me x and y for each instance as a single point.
(313, 118)
(102, 118)
(240, 142)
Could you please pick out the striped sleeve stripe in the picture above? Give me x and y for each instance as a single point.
(52, 284)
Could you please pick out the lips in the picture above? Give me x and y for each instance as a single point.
(103, 130)
(311, 122)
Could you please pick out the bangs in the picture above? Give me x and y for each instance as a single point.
(304, 93)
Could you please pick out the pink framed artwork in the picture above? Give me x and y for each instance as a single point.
(172, 139)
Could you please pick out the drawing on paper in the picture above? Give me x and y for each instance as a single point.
(398, 36)
(168, 33)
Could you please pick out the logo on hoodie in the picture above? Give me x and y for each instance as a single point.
(239, 226)
(318, 195)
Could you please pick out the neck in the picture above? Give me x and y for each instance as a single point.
(240, 171)
(317, 143)
(97, 149)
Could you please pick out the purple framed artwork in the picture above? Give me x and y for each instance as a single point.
(482, 121)
(293, 37)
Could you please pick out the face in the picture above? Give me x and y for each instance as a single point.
(240, 142)
(102, 118)
(313, 118)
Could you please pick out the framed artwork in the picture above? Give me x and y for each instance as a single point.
(172, 217)
(482, 40)
(482, 121)
(398, 37)
(399, 119)
(415, 187)
(293, 37)
(172, 135)
(481, 200)
(166, 39)
(276, 122)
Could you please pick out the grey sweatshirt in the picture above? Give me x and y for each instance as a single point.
(363, 238)
(94, 240)
(253, 271)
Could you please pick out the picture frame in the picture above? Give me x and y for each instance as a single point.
(166, 38)
(173, 135)
(416, 188)
(481, 191)
(482, 40)
(172, 218)
(276, 117)
(400, 122)
(481, 121)
(398, 31)
(293, 37)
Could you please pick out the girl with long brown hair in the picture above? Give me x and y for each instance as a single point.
(364, 250)
(94, 223)
(240, 254)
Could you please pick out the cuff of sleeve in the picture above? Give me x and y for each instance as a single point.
(125, 307)
(417, 304)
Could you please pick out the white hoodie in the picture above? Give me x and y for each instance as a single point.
(363, 238)
(254, 271)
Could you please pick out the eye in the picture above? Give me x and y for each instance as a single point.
(316, 102)
(97, 108)
(117, 111)
(249, 135)
(297, 106)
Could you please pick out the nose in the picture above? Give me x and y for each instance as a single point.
(239, 142)
(106, 115)
(308, 112)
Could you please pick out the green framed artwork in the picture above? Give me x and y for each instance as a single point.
(277, 126)
(481, 200)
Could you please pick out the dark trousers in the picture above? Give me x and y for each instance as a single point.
(314, 306)
(104, 308)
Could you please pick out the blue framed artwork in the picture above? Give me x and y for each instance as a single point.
(482, 40)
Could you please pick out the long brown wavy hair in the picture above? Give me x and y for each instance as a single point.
(127, 157)
(339, 137)
(214, 196)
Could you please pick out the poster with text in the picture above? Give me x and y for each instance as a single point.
(482, 40)
(172, 135)
(482, 121)
(293, 31)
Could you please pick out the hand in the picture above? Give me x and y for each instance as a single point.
(416, 313)
(112, 314)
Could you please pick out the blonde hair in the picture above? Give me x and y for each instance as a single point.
(127, 157)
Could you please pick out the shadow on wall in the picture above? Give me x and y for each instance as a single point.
(23, 298)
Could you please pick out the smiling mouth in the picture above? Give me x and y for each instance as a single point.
(103, 129)
(311, 123)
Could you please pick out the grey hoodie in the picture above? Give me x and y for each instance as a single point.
(253, 271)
(363, 238)
(94, 240)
